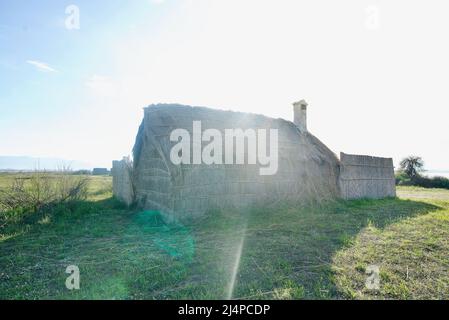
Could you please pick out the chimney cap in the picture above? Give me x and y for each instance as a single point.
(301, 103)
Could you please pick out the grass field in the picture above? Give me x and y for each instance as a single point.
(282, 252)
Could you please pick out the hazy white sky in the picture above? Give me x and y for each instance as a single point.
(375, 73)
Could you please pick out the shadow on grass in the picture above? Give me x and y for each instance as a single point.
(288, 251)
(281, 252)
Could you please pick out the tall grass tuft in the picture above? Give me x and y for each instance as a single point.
(39, 191)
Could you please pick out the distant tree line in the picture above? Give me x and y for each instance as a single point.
(82, 172)
(410, 171)
(95, 172)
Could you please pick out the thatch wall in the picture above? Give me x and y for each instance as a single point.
(366, 177)
(122, 186)
(308, 170)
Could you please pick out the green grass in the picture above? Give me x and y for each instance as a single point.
(287, 252)
(412, 254)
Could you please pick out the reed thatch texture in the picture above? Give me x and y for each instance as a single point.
(366, 177)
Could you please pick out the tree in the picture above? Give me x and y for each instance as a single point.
(411, 166)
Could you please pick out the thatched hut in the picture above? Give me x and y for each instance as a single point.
(305, 169)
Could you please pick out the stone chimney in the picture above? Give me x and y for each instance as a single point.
(300, 115)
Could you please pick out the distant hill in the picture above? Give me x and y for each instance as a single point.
(13, 163)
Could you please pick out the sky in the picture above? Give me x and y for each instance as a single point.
(375, 73)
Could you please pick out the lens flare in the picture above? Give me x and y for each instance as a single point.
(236, 265)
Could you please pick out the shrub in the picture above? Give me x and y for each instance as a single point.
(403, 179)
(435, 182)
